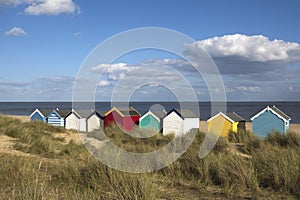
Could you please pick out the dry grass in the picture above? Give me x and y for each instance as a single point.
(59, 168)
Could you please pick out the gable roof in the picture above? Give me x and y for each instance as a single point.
(46, 112)
(124, 111)
(73, 112)
(188, 114)
(84, 113)
(235, 117)
(232, 117)
(159, 113)
(42, 112)
(62, 113)
(183, 114)
(275, 111)
(99, 114)
(282, 114)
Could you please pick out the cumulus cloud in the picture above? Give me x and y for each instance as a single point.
(248, 89)
(103, 83)
(247, 54)
(11, 2)
(45, 89)
(155, 74)
(154, 69)
(15, 31)
(52, 7)
(77, 34)
(112, 68)
(45, 7)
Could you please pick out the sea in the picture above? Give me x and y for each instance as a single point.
(244, 109)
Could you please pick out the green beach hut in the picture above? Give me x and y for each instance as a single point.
(152, 120)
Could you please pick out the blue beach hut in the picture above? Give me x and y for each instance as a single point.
(40, 114)
(270, 119)
(57, 117)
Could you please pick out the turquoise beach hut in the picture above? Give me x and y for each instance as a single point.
(270, 119)
(152, 120)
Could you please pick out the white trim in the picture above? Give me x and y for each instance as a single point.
(149, 113)
(176, 112)
(223, 115)
(36, 110)
(268, 108)
(75, 113)
(92, 114)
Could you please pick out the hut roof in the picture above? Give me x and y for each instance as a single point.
(159, 113)
(63, 113)
(232, 117)
(235, 117)
(124, 111)
(274, 110)
(45, 112)
(84, 113)
(184, 113)
(279, 112)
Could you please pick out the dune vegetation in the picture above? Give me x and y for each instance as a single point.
(53, 164)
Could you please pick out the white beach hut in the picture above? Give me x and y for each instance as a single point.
(94, 121)
(76, 120)
(180, 123)
(73, 121)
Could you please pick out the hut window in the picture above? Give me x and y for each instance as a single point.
(286, 123)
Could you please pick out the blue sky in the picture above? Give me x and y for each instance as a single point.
(43, 44)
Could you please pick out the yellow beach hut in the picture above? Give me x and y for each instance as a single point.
(224, 123)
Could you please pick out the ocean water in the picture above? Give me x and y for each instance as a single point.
(244, 109)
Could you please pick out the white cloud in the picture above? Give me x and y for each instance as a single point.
(103, 83)
(11, 2)
(253, 48)
(240, 54)
(112, 68)
(52, 7)
(248, 88)
(77, 34)
(45, 7)
(153, 84)
(15, 31)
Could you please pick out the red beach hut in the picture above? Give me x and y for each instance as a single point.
(126, 118)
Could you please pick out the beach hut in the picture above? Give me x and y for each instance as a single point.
(76, 119)
(40, 114)
(224, 123)
(57, 117)
(179, 123)
(94, 121)
(270, 119)
(152, 120)
(72, 121)
(126, 118)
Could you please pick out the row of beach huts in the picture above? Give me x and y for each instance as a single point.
(175, 121)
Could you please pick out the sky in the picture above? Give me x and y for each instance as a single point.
(255, 45)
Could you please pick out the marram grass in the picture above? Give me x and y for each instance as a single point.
(55, 169)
